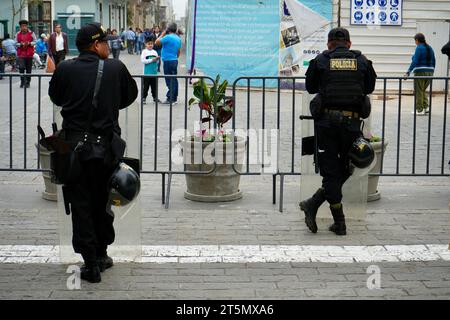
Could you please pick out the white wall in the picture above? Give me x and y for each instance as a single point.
(391, 47)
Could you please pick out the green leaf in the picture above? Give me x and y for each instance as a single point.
(198, 90)
(192, 101)
(221, 91)
(206, 96)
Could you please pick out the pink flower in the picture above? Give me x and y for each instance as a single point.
(201, 133)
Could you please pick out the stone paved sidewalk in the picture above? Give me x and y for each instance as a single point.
(412, 280)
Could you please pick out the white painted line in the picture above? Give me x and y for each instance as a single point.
(242, 254)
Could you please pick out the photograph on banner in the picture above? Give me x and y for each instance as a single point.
(381, 12)
(289, 57)
(290, 36)
(287, 72)
(304, 27)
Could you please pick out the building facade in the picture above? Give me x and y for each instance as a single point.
(43, 15)
(391, 47)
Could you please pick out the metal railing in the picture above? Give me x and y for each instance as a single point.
(417, 145)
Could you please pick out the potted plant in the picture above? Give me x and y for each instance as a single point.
(214, 155)
(379, 149)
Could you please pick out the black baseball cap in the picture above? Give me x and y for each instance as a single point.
(339, 34)
(89, 33)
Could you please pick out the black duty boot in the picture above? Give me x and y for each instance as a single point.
(310, 207)
(338, 226)
(91, 273)
(104, 262)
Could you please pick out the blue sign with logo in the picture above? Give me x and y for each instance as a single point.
(376, 12)
(394, 16)
(358, 15)
(395, 3)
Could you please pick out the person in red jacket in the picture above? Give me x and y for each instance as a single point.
(26, 40)
(58, 45)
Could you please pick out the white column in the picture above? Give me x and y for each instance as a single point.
(24, 12)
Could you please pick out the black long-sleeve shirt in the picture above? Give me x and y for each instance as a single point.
(72, 88)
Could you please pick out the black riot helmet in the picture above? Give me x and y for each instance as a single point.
(124, 185)
(361, 153)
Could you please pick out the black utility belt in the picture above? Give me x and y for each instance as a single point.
(344, 113)
(86, 137)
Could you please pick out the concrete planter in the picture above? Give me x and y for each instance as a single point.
(222, 184)
(372, 189)
(50, 192)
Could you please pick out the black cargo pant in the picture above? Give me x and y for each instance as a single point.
(92, 226)
(334, 141)
(25, 64)
(149, 83)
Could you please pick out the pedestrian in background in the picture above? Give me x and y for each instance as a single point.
(131, 37)
(171, 49)
(156, 34)
(41, 49)
(150, 58)
(9, 52)
(25, 42)
(115, 43)
(58, 45)
(139, 41)
(422, 65)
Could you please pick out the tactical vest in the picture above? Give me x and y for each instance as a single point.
(344, 82)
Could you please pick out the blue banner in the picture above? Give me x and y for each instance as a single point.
(237, 38)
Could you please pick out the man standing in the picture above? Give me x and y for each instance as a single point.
(342, 78)
(58, 45)
(25, 41)
(72, 87)
(131, 37)
(171, 49)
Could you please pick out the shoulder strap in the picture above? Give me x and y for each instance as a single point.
(98, 81)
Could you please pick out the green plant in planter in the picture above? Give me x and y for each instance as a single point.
(215, 103)
(373, 138)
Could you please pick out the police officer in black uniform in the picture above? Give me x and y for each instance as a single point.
(342, 78)
(72, 88)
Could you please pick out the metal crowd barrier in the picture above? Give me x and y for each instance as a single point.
(417, 148)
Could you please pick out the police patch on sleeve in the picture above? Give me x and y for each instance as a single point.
(343, 64)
